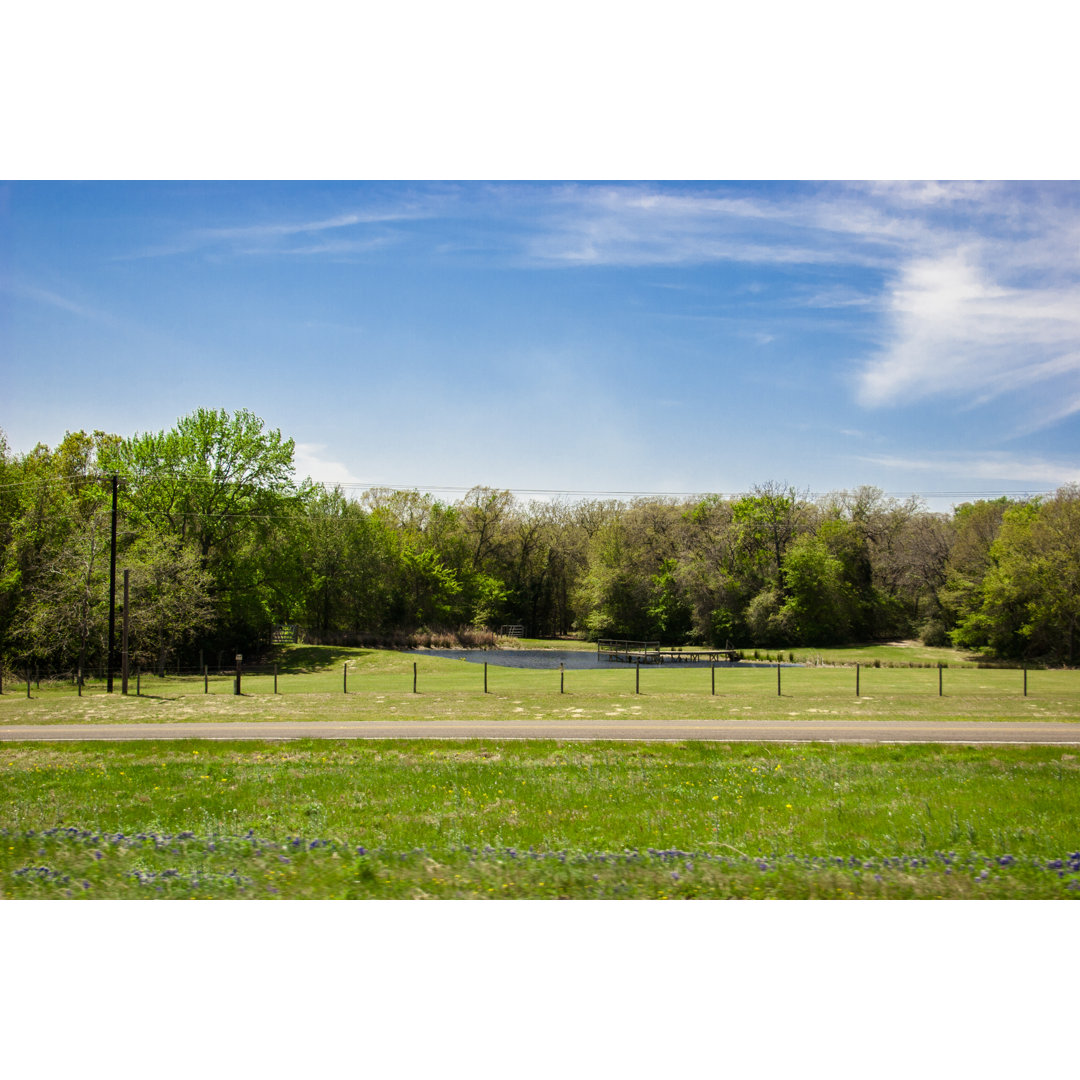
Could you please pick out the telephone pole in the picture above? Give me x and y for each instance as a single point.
(112, 592)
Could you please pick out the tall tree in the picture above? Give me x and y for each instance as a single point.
(219, 482)
(1031, 592)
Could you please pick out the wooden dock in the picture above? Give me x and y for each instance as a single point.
(651, 652)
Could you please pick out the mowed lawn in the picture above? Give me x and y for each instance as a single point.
(356, 684)
(544, 819)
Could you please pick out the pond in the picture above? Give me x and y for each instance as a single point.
(572, 660)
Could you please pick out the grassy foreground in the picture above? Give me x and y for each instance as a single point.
(486, 819)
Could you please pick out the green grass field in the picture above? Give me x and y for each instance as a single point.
(486, 819)
(546, 819)
(312, 681)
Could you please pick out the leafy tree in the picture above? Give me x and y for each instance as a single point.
(483, 513)
(768, 620)
(768, 520)
(52, 558)
(350, 565)
(212, 479)
(219, 482)
(169, 599)
(820, 602)
(668, 609)
(975, 527)
(1031, 591)
(65, 617)
(431, 589)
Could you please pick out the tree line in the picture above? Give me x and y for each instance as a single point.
(222, 544)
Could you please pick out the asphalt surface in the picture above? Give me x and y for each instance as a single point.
(621, 729)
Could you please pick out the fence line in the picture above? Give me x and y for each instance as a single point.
(257, 679)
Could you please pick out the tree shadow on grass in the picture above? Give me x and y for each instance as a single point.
(306, 659)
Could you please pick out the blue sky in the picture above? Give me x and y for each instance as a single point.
(569, 337)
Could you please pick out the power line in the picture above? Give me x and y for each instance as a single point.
(330, 485)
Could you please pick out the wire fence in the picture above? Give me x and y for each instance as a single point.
(781, 679)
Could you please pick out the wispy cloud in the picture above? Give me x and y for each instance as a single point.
(340, 234)
(28, 291)
(639, 226)
(989, 466)
(970, 290)
(956, 329)
(309, 461)
(267, 230)
(331, 247)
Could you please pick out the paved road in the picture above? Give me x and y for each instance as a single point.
(847, 731)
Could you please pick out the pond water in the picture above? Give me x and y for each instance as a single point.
(572, 659)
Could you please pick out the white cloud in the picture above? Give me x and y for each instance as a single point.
(638, 226)
(989, 466)
(266, 237)
(930, 192)
(956, 329)
(51, 299)
(308, 461)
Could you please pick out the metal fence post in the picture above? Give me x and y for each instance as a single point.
(637, 677)
(856, 680)
(562, 678)
(939, 688)
(275, 678)
(414, 677)
(713, 669)
(485, 677)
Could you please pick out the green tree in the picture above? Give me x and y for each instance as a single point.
(222, 483)
(1031, 592)
(431, 589)
(668, 609)
(768, 519)
(169, 599)
(820, 602)
(65, 616)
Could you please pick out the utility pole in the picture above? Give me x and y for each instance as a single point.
(124, 640)
(112, 592)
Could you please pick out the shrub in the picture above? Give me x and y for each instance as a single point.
(934, 634)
